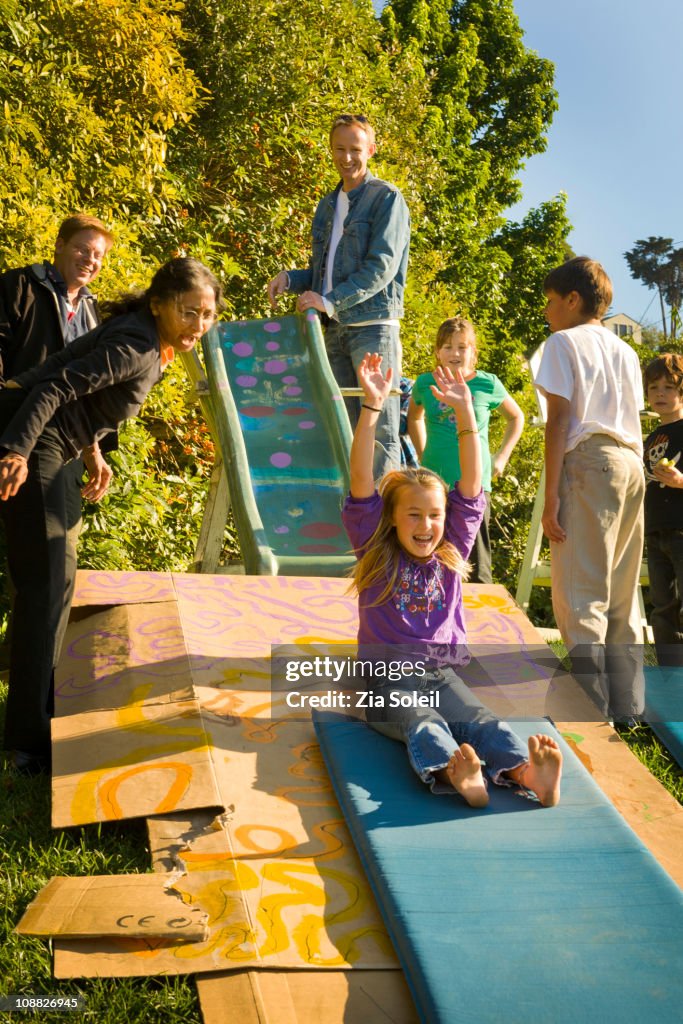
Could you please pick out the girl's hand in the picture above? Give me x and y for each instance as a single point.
(376, 385)
(451, 388)
(498, 466)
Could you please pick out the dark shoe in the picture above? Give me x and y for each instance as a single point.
(30, 764)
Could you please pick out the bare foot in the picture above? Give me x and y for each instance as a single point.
(463, 771)
(541, 774)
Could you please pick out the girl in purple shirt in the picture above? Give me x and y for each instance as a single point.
(411, 539)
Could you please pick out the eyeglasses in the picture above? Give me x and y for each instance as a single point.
(84, 251)
(207, 317)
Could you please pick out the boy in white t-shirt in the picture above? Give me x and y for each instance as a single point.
(594, 486)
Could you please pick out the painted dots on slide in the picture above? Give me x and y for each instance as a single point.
(292, 392)
(272, 327)
(242, 348)
(307, 424)
(275, 366)
(245, 380)
(257, 411)
(272, 346)
(295, 410)
(281, 529)
(280, 460)
(289, 379)
(320, 530)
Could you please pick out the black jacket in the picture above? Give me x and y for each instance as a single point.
(30, 320)
(89, 387)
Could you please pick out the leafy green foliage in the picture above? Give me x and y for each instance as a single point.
(90, 94)
(203, 128)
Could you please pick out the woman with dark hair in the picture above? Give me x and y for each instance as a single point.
(50, 415)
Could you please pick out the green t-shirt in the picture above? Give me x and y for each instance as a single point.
(441, 453)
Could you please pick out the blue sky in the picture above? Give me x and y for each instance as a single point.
(615, 145)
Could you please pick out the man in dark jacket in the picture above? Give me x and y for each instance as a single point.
(44, 308)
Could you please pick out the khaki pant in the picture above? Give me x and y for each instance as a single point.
(595, 571)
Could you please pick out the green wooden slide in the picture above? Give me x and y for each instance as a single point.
(285, 439)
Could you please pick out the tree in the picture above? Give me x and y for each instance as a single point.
(90, 94)
(659, 265)
(275, 75)
(490, 103)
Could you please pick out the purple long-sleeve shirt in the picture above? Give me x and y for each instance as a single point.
(425, 612)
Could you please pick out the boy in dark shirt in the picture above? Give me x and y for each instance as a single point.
(664, 506)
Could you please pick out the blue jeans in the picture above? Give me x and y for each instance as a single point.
(665, 565)
(432, 735)
(346, 347)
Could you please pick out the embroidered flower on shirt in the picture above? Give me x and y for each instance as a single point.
(420, 591)
(446, 413)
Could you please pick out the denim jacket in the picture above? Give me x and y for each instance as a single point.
(371, 260)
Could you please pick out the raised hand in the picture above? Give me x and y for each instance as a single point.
(451, 388)
(376, 385)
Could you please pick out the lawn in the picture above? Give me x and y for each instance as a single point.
(31, 853)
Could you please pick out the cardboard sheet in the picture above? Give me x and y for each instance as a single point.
(276, 873)
(131, 741)
(302, 997)
(127, 906)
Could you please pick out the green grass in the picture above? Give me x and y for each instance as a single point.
(641, 740)
(647, 748)
(31, 853)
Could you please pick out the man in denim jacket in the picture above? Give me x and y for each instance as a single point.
(357, 273)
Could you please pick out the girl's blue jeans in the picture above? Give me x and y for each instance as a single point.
(433, 734)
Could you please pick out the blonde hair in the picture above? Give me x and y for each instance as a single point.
(456, 325)
(349, 120)
(379, 561)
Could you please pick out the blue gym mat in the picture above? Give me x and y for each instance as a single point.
(664, 708)
(515, 913)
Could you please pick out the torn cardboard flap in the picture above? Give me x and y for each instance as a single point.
(123, 656)
(133, 762)
(126, 906)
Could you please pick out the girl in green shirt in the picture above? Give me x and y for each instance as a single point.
(432, 427)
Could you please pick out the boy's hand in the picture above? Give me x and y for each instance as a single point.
(310, 300)
(665, 471)
(451, 388)
(550, 521)
(13, 473)
(277, 286)
(376, 385)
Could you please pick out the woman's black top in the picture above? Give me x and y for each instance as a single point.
(89, 387)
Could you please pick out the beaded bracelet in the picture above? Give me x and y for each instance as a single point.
(370, 407)
(467, 430)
